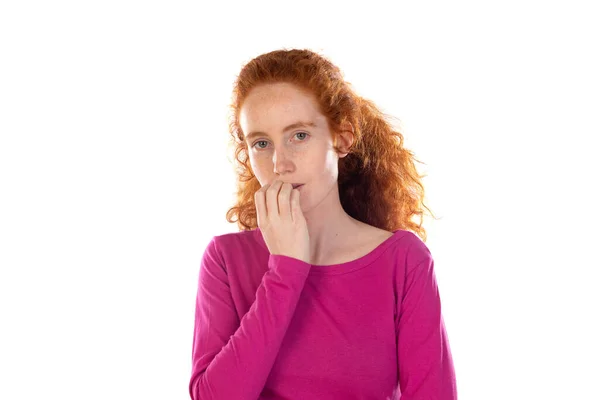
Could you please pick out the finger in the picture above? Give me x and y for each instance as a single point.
(262, 213)
(271, 198)
(264, 188)
(261, 208)
(284, 201)
(295, 204)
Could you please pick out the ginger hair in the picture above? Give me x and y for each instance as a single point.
(378, 181)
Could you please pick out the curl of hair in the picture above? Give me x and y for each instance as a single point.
(378, 181)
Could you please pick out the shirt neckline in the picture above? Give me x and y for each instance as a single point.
(349, 266)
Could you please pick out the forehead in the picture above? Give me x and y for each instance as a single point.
(273, 106)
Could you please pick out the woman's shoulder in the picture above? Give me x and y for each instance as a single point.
(232, 249)
(375, 236)
(242, 241)
(240, 235)
(406, 242)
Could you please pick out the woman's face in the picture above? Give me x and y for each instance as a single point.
(288, 139)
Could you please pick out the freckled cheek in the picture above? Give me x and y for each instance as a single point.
(262, 166)
(267, 156)
(256, 166)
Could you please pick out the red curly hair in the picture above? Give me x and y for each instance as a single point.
(378, 182)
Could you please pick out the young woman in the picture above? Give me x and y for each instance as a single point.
(326, 292)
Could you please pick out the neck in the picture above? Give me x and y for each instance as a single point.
(328, 226)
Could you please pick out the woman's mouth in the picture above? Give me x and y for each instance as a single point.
(296, 185)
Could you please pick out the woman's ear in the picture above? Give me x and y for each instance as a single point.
(344, 139)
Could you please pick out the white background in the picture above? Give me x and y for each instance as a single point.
(114, 176)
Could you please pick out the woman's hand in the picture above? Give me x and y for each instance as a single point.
(281, 221)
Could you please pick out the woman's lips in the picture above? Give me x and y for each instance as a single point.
(297, 185)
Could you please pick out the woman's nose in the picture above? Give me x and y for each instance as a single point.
(282, 162)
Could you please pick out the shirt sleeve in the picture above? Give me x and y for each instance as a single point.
(425, 366)
(232, 359)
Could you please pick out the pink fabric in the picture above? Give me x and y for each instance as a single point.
(274, 327)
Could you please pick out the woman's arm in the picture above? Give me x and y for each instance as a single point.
(232, 359)
(425, 366)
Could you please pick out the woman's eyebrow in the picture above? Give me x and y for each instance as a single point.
(295, 125)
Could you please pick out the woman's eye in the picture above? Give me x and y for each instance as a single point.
(301, 133)
(260, 141)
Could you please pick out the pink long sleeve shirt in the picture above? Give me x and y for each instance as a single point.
(274, 327)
